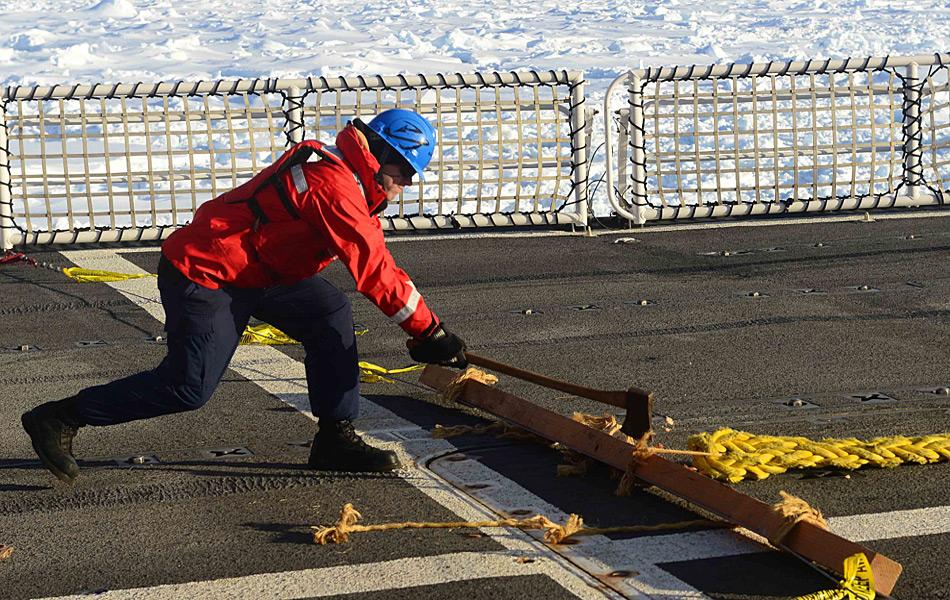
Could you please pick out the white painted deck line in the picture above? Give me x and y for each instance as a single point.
(894, 524)
(347, 579)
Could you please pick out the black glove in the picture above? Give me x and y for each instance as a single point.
(440, 348)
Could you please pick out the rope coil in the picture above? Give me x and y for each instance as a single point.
(738, 455)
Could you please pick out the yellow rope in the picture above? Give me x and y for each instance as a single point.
(5, 552)
(739, 455)
(554, 533)
(96, 276)
(858, 582)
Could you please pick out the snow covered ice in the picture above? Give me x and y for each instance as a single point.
(68, 41)
(82, 41)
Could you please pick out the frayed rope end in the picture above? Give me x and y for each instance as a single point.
(339, 533)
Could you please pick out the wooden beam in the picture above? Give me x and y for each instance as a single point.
(805, 539)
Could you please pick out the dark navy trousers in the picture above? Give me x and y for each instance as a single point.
(204, 327)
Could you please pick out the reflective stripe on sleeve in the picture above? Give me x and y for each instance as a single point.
(407, 311)
(300, 182)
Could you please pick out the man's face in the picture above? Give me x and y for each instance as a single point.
(393, 180)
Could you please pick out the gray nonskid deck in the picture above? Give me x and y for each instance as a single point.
(856, 326)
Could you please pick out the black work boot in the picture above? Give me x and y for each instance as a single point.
(337, 447)
(52, 427)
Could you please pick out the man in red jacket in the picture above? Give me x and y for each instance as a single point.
(257, 251)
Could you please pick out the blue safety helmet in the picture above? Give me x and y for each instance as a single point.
(409, 134)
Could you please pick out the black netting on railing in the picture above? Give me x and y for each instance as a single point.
(507, 144)
(778, 136)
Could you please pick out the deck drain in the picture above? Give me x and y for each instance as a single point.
(811, 291)
(527, 311)
(872, 398)
(90, 343)
(864, 288)
(585, 307)
(227, 452)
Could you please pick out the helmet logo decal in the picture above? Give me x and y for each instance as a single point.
(411, 136)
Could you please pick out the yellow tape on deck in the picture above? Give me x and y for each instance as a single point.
(265, 334)
(96, 276)
(370, 373)
(858, 582)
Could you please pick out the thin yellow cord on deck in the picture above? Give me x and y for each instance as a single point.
(5, 552)
(554, 533)
(738, 455)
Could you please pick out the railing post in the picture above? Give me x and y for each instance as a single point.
(635, 125)
(913, 154)
(293, 128)
(623, 144)
(579, 143)
(6, 195)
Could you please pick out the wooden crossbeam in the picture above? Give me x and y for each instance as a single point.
(805, 539)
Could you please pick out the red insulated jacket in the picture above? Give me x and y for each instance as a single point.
(295, 217)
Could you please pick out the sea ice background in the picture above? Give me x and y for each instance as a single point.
(78, 41)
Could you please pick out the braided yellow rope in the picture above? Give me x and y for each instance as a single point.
(739, 455)
(554, 533)
(5, 552)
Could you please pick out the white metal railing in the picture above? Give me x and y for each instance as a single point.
(134, 161)
(782, 137)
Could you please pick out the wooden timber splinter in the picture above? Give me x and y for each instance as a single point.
(804, 539)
